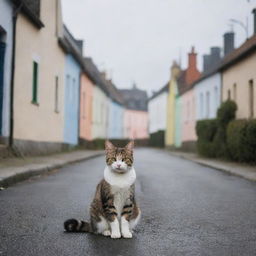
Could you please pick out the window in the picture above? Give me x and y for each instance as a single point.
(201, 105)
(56, 98)
(73, 90)
(207, 104)
(83, 105)
(68, 90)
(251, 99)
(188, 111)
(35, 83)
(101, 113)
(216, 98)
(234, 91)
(229, 94)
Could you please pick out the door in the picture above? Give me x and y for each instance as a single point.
(2, 54)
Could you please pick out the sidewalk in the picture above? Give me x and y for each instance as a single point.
(239, 169)
(13, 170)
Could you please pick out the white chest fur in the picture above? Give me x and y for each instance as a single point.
(124, 180)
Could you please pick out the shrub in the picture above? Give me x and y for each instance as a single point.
(206, 131)
(226, 112)
(241, 140)
(99, 143)
(157, 139)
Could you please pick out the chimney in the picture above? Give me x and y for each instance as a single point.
(192, 59)
(215, 56)
(192, 72)
(254, 18)
(206, 62)
(104, 75)
(175, 70)
(229, 42)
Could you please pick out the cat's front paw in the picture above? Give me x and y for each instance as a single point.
(115, 235)
(106, 233)
(127, 234)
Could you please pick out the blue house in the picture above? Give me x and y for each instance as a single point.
(116, 113)
(6, 41)
(73, 67)
(116, 120)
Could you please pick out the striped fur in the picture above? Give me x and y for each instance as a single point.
(114, 206)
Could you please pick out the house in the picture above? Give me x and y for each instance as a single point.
(172, 107)
(100, 101)
(239, 77)
(157, 110)
(73, 67)
(38, 107)
(116, 112)
(88, 82)
(187, 103)
(6, 49)
(136, 113)
(208, 87)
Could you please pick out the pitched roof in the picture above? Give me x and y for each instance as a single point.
(114, 93)
(246, 48)
(165, 88)
(236, 55)
(135, 98)
(94, 74)
(72, 46)
(31, 8)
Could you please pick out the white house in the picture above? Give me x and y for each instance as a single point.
(157, 108)
(208, 95)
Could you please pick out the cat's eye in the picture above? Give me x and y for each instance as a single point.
(113, 159)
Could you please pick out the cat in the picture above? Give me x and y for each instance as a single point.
(114, 211)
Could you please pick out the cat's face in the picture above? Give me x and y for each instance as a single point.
(119, 159)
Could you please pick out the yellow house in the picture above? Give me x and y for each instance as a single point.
(239, 78)
(170, 130)
(39, 78)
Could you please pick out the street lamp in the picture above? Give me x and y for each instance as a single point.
(244, 26)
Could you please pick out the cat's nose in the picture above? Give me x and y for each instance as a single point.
(118, 165)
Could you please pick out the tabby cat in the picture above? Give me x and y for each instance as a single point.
(114, 211)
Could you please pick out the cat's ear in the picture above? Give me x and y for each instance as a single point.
(109, 145)
(130, 146)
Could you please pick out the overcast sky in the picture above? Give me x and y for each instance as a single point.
(137, 40)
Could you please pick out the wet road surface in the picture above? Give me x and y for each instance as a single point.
(187, 209)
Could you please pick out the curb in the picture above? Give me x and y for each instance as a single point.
(18, 177)
(227, 170)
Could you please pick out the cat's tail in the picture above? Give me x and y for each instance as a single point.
(73, 225)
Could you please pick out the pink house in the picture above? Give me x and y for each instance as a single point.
(188, 116)
(86, 97)
(136, 113)
(188, 101)
(135, 124)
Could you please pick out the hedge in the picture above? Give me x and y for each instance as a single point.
(157, 139)
(212, 133)
(206, 131)
(99, 143)
(241, 140)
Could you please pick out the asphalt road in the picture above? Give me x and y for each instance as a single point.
(187, 209)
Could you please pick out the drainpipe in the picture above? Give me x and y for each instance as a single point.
(14, 22)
